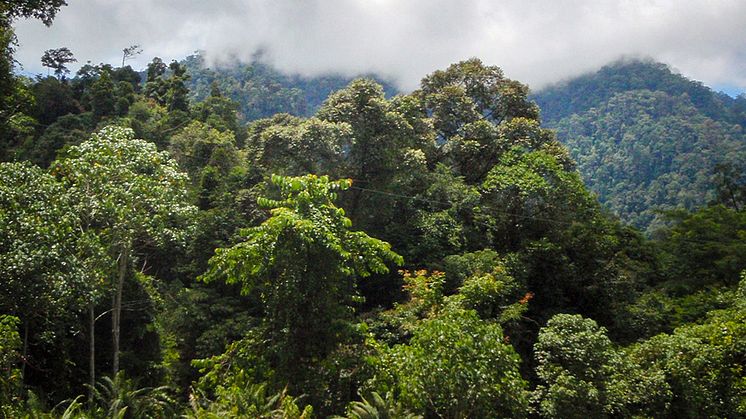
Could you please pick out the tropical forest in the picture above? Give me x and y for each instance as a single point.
(196, 240)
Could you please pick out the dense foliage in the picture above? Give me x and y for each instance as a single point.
(434, 254)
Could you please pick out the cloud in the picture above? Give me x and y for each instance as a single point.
(535, 42)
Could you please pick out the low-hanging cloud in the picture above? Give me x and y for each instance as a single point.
(535, 42)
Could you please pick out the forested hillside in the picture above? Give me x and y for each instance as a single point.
(646, 139)
(434, 254)
(262, 91)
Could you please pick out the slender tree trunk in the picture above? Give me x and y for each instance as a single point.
(117, 303)
(25, 350)
(91, 352)
(114, 334)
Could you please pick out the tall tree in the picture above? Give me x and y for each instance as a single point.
(380, 136)
(57, 59)
(130, 194)
(303, 262)
(470, 104)
(130, 52)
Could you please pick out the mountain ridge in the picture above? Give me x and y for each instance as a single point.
(634, 74)
(646, 139)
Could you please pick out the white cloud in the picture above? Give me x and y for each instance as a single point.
(535, 42)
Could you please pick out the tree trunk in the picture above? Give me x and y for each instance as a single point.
(117, 304)
(91, 352)
(114, 333)
(25, 350)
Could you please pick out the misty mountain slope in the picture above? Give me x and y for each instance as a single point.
(646, 139)
(592, 90)
(262, 91)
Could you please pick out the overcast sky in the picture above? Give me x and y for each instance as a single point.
(536, 42)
